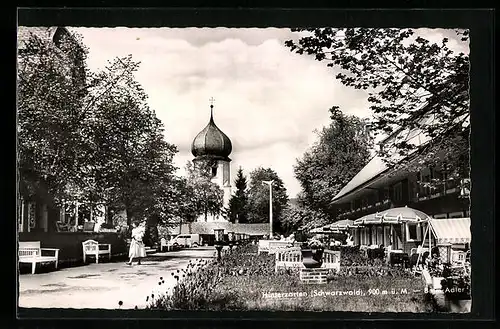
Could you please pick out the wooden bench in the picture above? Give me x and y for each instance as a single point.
(263, 246)
(288, 258)
(292, 258)
(275, 246)
(93, 248)
(31, 252)
(331, 259)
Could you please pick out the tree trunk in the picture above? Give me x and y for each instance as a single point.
(129, 216)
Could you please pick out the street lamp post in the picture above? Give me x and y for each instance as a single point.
(270, 183)
(219, 240)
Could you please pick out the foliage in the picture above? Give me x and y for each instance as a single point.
(128, 146)
(204, 196)
(297, 217)
(412, 85)
(342, 150)
(371, 271)
(240, 281)
(457, 287)
(49, 115)
(314, 244)
(238, 203)
(89, 136)
(258, 197)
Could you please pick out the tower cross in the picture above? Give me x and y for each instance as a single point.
(212, 101)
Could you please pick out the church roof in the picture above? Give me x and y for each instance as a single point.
(211, 141)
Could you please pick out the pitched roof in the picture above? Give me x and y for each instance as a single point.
(374, 168)
(208, 228)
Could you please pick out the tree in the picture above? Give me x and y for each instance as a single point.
(238, 203)
(412, 85)
(297, 217)
(91, 138)
(128, 146)
(51, 93)
(205, 197)
(342, 150)
(258, 197)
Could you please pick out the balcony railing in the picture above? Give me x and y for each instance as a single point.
(446, 187)
(372, 206)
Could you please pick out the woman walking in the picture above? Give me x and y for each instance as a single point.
(137, 249)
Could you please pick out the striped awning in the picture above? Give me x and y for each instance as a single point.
(451, 230)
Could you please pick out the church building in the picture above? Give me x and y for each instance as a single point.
(211, 146)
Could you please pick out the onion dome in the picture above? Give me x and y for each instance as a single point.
(211, 142)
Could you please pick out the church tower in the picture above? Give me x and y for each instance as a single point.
(212, 146)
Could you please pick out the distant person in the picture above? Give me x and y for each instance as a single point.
(350, 240)
(137, 248)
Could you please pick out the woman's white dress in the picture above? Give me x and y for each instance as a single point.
(137, 248)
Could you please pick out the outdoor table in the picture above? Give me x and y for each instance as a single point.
(398, 257)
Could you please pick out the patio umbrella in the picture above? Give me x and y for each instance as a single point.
(342, 225)
(402, 214)
(317, 230)
(368, 219)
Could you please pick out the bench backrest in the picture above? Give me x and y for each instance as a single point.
(289, 255)
(90, 246)
(331, 257)
(29, 249)
(274, 246)
(292, 257)
(458, 256)
(264, 245)
(88, 227)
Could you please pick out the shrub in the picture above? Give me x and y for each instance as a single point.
(457, 288)
(240, 279)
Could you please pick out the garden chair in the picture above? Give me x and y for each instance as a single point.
(93, 248)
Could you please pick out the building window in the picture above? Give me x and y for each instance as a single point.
(398, 192)
(440, 216)
(20, 215)
(457, 214)
(226, 175)
(424, 183)
(413, 232)
(214, 171)
(439, 177)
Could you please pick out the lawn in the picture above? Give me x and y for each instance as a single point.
(247, 281)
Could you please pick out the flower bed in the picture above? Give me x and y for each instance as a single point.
(455, 282)
(244, 280)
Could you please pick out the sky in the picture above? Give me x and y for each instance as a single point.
(268, 100)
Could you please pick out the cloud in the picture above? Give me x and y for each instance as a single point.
(268, 100)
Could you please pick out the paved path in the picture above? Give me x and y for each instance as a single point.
(103, 285)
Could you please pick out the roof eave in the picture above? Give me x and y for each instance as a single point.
(338, 199)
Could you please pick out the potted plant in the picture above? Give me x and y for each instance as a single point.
(312, 253)
(436, 270)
